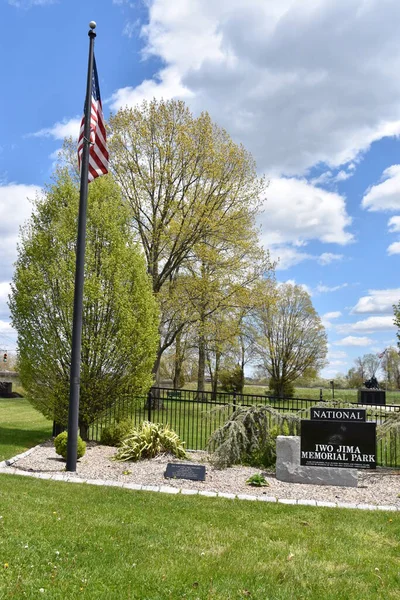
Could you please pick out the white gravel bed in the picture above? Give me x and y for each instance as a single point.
(380, 487)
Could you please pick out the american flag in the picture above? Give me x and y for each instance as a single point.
(382, 354)
(98, 153)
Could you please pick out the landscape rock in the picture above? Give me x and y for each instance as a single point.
(289, 469)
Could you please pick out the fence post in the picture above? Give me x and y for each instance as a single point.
(320, 394)
(149, 403)
(234, 399)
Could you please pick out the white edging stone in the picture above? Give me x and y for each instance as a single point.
(133, 486)
(189, 492)
(307, 502)
(365, 506)
(151, 488)
(267, 499)
(168, 489)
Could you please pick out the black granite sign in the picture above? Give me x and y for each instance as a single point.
(185, 471)
(347, 444)
(338, 414)
(374, 397)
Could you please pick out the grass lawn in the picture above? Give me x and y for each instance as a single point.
(21, 427)
(79, 541)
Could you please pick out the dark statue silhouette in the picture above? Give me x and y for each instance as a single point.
(372, 384)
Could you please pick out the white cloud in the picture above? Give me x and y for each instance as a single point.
(15, 208)
(296, 211)
(377, 301)
(150, 88)
(322, 289)
(353, 341)
(131, 28)
(328, 177)
(337, 354)
(343, 175)
(337, 363)
(394, 224)
(394, 248)
(369, 325)
(328, 257)
(287, 256)
(61, 130)
(4, 291)
(384, 195)
(30, 3)
(5, 327)
(332, 315)
(327, 318)
(254, 67)
(8, 336)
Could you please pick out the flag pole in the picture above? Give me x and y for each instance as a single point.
(74, 383)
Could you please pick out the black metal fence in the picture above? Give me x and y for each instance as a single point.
(196, 415)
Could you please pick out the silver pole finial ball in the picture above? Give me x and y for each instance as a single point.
(92, 24)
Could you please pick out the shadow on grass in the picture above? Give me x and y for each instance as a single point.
(23, 437)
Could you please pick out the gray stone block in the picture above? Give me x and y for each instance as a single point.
(226, 495)
(288, 467)
(246, 497)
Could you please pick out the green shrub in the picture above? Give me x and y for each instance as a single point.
(265, 454)
(232, 380)
(148, 440)
(280, 389)
(115, 433)
(60, 444)
(257, 480)
(249, 436)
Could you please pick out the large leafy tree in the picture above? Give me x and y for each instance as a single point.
(120, 315)
(187, 184)
(291, 339)
(391, 368)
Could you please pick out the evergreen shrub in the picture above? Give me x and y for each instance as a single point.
(249, 436)
(115, 433)
(60, 444)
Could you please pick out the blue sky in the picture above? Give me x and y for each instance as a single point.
(311, 88)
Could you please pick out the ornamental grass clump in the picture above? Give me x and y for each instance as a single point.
(61, 442)
(249, 436)
(149, 440)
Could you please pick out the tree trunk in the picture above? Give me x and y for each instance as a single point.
(84, 431)
(242, 364)
(179, 357)
(216, 374)
(202, 364)
(156, 367)
(157, 402)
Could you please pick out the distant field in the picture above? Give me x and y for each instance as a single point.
(310, 393)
